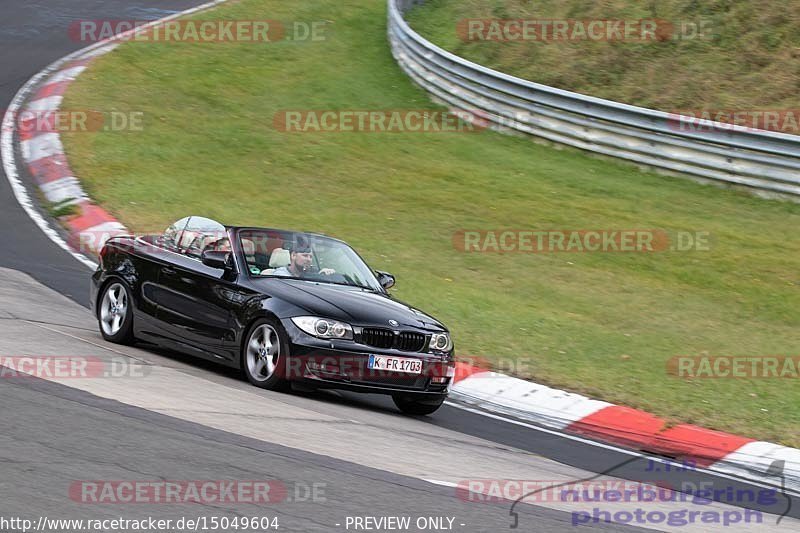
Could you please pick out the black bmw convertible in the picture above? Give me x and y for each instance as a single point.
(284, 307)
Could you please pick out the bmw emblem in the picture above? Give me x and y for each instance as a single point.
(394, 323)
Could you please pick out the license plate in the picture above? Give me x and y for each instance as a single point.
(395, 364)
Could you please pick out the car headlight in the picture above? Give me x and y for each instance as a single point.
(440, 342)
(323, 328)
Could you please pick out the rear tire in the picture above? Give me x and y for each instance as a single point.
(264, 354)
(115, 313)
(418, 407)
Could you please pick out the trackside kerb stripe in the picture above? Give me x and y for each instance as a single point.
(464, 371)
(49, 169)
(705, 446)
(517, 397)
(45, 145)
(621, 425)
(82, 62)
(52, 89)
(67, 74)
(626, 427)
(91, 216)
(758, 456)
(43, 105)
(63, 190)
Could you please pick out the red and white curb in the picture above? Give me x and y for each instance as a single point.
(629, 428)
(43, 156)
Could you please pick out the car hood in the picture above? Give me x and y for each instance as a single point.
(354, 305)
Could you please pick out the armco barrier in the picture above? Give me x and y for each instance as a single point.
(765, 161)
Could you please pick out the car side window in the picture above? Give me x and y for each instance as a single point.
(171, 236)
(192, 235)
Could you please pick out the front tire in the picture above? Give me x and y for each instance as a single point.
(264, 355)
(415, 406)
(115, 313)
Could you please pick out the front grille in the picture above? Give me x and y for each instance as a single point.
(410, 341)
(377, 337)
(407, 341)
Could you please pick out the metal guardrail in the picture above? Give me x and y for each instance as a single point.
(762, 160)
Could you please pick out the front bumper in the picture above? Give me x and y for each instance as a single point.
(344, 365)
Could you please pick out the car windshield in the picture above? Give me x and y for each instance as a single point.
(305, 256)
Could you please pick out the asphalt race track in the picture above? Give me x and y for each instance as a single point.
(179, 419)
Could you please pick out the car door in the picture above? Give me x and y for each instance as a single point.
(147, 259)
(192, 304)
(194, 300)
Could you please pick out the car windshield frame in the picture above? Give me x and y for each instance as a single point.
(368, 279)
(190, 236)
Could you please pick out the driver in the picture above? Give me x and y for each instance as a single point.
(301, 260)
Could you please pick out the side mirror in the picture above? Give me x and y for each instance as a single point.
(217, 259)
(385, 279)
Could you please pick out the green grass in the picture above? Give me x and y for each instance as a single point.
(747, 60)
(603, 324)
(57, 211)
